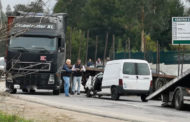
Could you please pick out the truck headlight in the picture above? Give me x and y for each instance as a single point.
(51, 79)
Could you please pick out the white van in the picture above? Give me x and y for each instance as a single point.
(126, 77)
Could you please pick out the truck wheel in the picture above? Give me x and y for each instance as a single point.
(143, 98)
(159, 83)
(13, 91)
(56, 92)
(178, 100)
(114, 93)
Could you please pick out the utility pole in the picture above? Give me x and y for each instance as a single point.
(105, 49)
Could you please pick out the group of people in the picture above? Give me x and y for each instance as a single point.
(77, 70)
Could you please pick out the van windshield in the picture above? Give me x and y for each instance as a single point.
(33, 42)
(143, 69)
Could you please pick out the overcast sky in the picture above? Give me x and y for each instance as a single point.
(49, 3)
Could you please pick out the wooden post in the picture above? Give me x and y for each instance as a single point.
(113, 47)
(87, 46)
(105, 49)
(126, 47)
(129, 47)
(182, 60)
(142, 28)
(70, 44)
(79, 50)
(96, 48)
(179, 60)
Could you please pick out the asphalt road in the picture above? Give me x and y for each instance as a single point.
(127, 108)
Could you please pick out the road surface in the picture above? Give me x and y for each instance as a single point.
(127, 108)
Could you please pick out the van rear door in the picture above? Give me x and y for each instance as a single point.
(144, 76)
(129, 76)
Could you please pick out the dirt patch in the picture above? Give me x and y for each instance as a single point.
(43, 113)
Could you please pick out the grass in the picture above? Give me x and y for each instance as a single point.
(11, 118)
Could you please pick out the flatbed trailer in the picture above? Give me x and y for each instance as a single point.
(176, 92)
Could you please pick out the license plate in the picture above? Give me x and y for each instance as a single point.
(16, 86)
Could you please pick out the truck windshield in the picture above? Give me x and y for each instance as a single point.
(33, 43)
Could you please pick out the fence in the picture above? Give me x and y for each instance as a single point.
(170, 57)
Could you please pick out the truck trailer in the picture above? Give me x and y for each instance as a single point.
(36, 52)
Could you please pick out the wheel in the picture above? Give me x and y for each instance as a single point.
(178, 100)
(114, 93)
(13, 91)
(88, 93)
(99, 96)
(25, 90)
(32, 91)
(143, 98)
(159, 83)
(56, 92)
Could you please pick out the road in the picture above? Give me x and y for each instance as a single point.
(128, 108)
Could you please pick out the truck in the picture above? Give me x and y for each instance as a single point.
(36, 51)
(175, 93)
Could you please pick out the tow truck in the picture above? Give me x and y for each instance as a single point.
(175, 93)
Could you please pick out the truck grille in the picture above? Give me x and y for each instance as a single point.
(31, 66)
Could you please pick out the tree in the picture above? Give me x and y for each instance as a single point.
(8, 10)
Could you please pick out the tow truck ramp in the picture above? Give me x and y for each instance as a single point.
(182, 80)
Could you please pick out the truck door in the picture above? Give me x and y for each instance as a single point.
(129, 76)
(143, 76)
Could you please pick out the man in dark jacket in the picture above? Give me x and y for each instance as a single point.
(77, 76)
(66, 77)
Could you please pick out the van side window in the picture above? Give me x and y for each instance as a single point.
(129, 69)
(143, 69)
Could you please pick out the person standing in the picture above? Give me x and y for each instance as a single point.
(67, 74)
(90, 63)
(77, 76)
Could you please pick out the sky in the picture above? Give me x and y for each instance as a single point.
(49, 3)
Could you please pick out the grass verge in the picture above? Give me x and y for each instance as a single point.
(11, 118)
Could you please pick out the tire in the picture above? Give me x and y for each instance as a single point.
(13, 91)
(114, 93)
(178, 100)
(32, 91)
(159, 83)
(25, 90)
(88, 94)
(143, 98)
(56, 92)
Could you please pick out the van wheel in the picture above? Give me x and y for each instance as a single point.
(178, 100)
(56, 92)
(143, 98)
(32, 91)
(114, 93)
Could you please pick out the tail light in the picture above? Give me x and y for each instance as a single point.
(120, 82)
(151, 83)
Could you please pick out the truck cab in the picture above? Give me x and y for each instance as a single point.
(36, 52)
